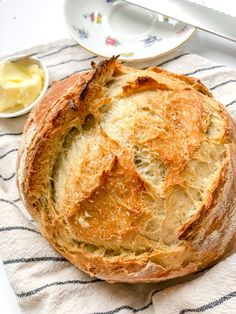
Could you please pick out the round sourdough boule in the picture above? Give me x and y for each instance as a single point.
(130, 173)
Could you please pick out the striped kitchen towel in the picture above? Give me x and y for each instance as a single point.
(43, 281)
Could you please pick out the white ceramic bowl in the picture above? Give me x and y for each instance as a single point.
(43, 91)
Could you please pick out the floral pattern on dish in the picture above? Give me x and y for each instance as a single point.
(150, 40)
(83, 34)
(183, 31)
(95, 17)
(109, 41)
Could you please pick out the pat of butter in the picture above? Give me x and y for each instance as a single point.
(20, 84)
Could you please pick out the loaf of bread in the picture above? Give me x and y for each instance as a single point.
(130, 174)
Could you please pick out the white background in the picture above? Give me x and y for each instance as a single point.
(25, 23)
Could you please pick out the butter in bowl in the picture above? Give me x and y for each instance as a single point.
(23, 82)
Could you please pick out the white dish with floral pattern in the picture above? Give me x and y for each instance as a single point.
(115, 27)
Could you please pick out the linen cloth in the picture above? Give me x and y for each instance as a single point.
(43, 281)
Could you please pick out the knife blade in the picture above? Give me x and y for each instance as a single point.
(194, 14)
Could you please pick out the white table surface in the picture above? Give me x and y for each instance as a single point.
(25, 23)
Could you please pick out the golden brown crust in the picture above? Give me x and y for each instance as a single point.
(130, 173)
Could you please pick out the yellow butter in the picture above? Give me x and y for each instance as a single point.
(20, 84)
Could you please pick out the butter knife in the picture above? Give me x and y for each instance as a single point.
(197, 15)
